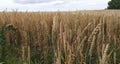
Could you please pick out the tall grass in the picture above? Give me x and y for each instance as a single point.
(79, 37)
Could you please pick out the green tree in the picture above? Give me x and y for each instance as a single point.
(114, 4)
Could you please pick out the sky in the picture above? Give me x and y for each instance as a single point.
(52, 5)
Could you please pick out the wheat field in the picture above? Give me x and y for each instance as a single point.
(77, 37)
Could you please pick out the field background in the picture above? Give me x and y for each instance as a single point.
(78, 37)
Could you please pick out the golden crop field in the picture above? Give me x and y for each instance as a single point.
(78, 37)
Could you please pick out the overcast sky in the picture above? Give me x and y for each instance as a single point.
(52, 5)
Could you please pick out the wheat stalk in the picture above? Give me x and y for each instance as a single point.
(104, 56)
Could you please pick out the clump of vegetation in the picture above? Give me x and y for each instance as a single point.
(3, 30)
(80, 37)
(114, 4)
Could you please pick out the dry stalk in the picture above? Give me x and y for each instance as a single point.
(95, 32)
(93, 36)
(104, 56)
(89, 24)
